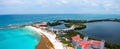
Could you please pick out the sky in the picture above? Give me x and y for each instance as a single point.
(59, 6)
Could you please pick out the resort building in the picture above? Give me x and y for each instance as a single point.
(43, 24)
(77, 41)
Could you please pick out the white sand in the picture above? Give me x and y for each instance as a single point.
(57, 44)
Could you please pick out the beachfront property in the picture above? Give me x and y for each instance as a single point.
(52, 34)
(84, 43)
(43, 24)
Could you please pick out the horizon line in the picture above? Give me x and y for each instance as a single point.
(61, 14)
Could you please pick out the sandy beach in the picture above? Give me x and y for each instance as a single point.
(48, 39)
(44, 43)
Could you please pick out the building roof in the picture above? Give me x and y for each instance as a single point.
(96, 42)
(76, 38)
(84, 44)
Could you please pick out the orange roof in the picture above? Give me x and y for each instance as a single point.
(84, 44)
(96, 42)
(76, 38)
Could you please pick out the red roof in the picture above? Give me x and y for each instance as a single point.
(96, 42)
(76, 38)
(84, 44)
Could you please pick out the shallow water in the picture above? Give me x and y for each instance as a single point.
(78, 47)
(18, 38)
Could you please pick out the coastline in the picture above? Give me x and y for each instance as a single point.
(54, 44)
(44, 43)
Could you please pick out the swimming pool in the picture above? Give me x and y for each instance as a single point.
(78, 47)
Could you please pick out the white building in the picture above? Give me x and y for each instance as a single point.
(87, 44)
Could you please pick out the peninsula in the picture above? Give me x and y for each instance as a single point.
(65, 37)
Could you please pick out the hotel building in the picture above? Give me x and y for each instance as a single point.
(84, 43)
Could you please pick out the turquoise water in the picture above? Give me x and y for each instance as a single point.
(18, 38)
(78, 47)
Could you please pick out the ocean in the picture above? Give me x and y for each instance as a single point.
(18, 38)
(6, 20)
(24, 38)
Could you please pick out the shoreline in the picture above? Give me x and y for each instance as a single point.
(44, 43)
(55, 43)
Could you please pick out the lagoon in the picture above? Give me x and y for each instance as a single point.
(108, 31)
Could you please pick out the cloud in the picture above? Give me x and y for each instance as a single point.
(64, 1)
(111, 5)
(75, 6)
(12, 2)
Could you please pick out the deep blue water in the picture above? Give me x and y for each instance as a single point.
(23, 19)
(108, 31)
(24, 38)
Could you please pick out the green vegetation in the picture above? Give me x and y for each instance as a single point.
(78, 26)
(90, 21)
(112, 46)
(74, 21)
(69, 34)
(66, 42)
(54, 23)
